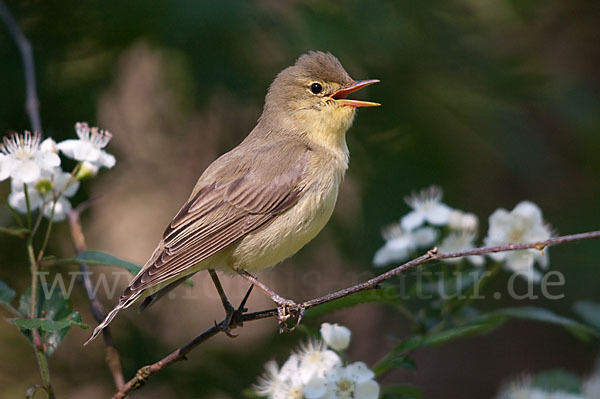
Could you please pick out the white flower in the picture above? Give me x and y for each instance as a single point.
(523, 389)
(400, 244)
(89, 147)
(353, 381)
(522, 224)
(314, 372)
(462, 221)
(284, 383)
(336, 336)
(42, 192)
(316, 360)
(291, 384)
(270, 382)
(460, 241)
(22, 159)
(427, 207)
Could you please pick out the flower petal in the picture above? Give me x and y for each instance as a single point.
(61, 179)
(530, 211)
(424, 236)
(62, 207)
(315, 387)
(17, 199)
(388, 254)
(68, 147)
(46, 160)
(290, 367)
(519, 261)
(438, 214)
(86, 151)
(4, 169)
(412, 220)
(359, 372)
(367, 390)
(107, 160)
(476, 260)
(26, 171)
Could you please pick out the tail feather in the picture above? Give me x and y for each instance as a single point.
(111, 315)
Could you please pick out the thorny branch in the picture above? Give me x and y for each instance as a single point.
(31, 102)
(144, 373)
(113, 359)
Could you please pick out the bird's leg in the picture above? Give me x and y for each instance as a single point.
(286, 308)
(229, 309)
(237, 320)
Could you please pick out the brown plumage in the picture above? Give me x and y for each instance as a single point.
(262, 201)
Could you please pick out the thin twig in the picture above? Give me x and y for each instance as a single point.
(32, 104)
(144, 373)
(113, 359)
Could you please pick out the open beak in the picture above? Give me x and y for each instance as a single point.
(340, 95)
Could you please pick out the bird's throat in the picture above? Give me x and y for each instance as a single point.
(330, 130)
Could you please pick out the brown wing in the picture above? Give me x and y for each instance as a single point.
(222, 212)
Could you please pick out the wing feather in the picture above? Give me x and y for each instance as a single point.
(221, 212)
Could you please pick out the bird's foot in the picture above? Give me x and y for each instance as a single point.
(288, 310)
(233, 316)
(227, 324)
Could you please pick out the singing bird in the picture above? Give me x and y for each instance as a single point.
(259, 203)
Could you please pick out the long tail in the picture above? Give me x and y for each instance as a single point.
(124, 303)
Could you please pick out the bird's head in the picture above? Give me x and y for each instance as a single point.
(311, 97)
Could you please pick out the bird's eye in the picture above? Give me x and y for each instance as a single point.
(316, 88)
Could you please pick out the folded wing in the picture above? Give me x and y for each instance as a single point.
(222, 211)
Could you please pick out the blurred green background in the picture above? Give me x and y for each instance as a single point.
(496, 101)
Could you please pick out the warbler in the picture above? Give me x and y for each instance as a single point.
(259, 203)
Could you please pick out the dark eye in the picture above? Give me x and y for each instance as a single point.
(316, 88)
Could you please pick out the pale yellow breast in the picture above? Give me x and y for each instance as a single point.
(294, 228)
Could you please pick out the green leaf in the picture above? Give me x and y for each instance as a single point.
(400, 392)
(385, 294)
(103, 258)
(47, 325)
(579, 330)
(487, 322)
(51, 325)
(557, 380)
(7, 294)
(54, 318)
(589, 311)
(437, 338)
(188, 283)
(394, 361)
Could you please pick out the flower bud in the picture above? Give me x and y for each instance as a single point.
(335, 336)
(49, 145)
(86, 170)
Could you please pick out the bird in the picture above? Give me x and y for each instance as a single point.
(262, 201)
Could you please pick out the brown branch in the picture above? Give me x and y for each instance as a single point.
(113, 360)
(32, 104)
(144, 373)
(433, 255)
